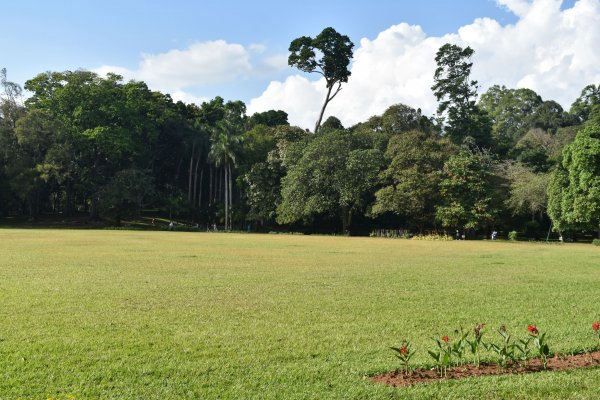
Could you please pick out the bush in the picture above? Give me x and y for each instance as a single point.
(513, 235)
(441, 237)
(596, 242)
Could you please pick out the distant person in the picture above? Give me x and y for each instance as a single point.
(457, 235)
(171, 225)
(494, 235)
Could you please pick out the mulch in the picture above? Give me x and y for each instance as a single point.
(556, 363)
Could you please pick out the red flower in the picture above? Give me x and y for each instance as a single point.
(445, 339)
(403, 350)
(532, 329)
(596, 326)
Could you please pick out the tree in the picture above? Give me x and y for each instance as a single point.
(527, 190)
(550, 116)
(457, 95)
(35, 134)
(411, 181)
(582, 107)
(269, 118)
(11, 105)
(574, 191)
(467, 190)
(510, 111)
(332, 178)
(535, 148)
(263, 180)
(11, 109)
(328, 54)
(224, 148)
(125, 193)
(332, 124)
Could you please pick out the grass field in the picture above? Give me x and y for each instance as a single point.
(167, 315)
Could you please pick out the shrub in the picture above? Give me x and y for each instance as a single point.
(440, 237)
(513, 235)
(596, 242)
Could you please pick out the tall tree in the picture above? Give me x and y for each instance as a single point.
(329, 55)
(469, 199)
(125, 193)
(582, 107)
(574, 190)
(411, 180)
(527, 190)
(510, 111)
(332, 178)
(224, 149)
(457, 94)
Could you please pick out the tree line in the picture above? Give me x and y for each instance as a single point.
(82, 144)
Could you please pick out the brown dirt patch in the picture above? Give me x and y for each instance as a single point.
(557, 363)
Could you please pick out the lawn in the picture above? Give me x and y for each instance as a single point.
(169, 315)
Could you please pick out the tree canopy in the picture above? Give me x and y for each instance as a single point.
(329, 55)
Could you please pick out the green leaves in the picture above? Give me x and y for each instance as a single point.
(574, 190)
(404, 353)
(332, 177)
(456, 95)
(467, 190)
(335, 51)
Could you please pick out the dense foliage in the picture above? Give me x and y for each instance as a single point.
(81, 144)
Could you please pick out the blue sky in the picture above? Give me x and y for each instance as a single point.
(61, 34)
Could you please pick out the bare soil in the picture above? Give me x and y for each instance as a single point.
(557, 363)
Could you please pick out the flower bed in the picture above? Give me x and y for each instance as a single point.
(556, 363)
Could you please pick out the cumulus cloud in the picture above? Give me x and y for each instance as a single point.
(205, 63)
(552, 51)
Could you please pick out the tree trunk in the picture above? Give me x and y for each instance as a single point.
(230, 198)
(219, 188)
(226, 199)
(94, 207)
(190, 175)
(195, 180)
(68, 200)
(346, 220)
(210, 186)
(327, 99)
(200, 188)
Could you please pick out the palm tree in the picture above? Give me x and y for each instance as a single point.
(223, 153)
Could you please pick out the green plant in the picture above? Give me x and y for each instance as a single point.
(459, 345)
(524, 350)
(539, 342)
(505, 351)
(596, 242)
(477, 342)
(404, 353)
(442, 357)
(513, 235)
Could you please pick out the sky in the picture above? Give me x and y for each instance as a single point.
(196, 50)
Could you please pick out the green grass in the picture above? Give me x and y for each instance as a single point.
(169, 315)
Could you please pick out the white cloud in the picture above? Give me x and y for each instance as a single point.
(258, 48)
(552, 51)
(200, 64)
(180, 95)
(517, 7)
(206, 63)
